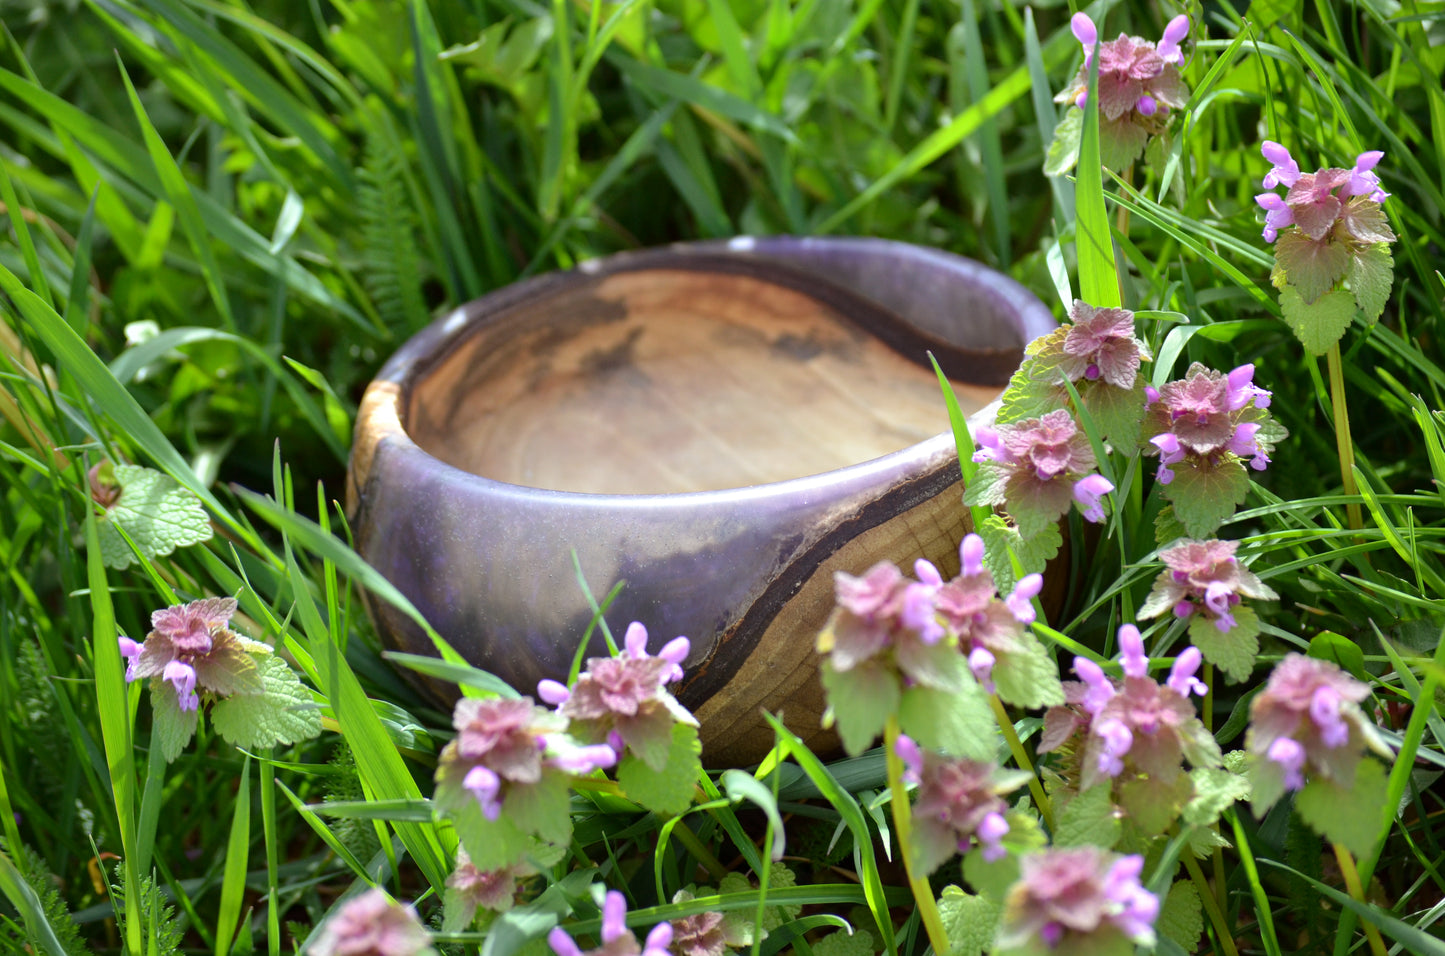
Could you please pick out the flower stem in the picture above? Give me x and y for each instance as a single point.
(701, 853)
(1021, 757)
(1207, 709)
(1357, 892)
(903, 827)
(1343, 442)
(1211, 905)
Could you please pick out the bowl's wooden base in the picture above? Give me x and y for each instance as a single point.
(669, 381)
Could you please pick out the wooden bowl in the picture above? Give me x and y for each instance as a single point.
(721, 425)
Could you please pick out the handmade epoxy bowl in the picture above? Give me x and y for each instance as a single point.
(721, 425)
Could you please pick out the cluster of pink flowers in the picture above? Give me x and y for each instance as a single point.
(1139, 84)
(1206, 419)
(1135, 724)
(1045, 463)
(1317, 202)
(623, 701)
(617, 939)
(1203, 577)
(503, 748)
(1063, 897)
(1100, 345)
(1307, 721)
(191, 646)
(883, 613)
(958, 801)
(372, 924)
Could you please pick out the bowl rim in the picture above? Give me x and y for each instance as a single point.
(412, 360)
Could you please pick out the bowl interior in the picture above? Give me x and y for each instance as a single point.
(677, 380)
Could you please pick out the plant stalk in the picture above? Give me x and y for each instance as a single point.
(1021, 757)
(1211, 905)
(903, 826)
(1343, 442)
(1357, 893)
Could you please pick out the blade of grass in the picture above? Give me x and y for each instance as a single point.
(233, 883)
(28, 905)
(1093, 237)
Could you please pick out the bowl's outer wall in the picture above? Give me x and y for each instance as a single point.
(490, 564)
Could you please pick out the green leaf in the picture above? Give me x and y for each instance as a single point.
(171, 727)
(1000, 540)
(1064, 150)
(1311, 268)
(1321, 324)
(861, 700)
(1033, 389)
(1371, 276)
(542, 809)
(1349, 817)
(987, 486)
(492, 844)
(1028, 677)
(842, 943)
(1181, 917)
(1203, 497)
(1089, 819)
(968, 920)
(959, 724)
(1168, 527)
(1118, 413)
(1152, 805)
(1035, 515)
(1215, 790)
(1329, 646)
(1234, 652)
(157, 513)
(283, 713)
(669, 789)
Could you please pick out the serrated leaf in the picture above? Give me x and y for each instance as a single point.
(667, 791)
(1215, 790)
(171, 727)
(1203, 497)
(1234, 652)
(1033, 555)
(861, 700)
(1152, 805)
(282, 713)
(1033, 389)
(1349, 817)
(1118, 413)
(842, 943)
(1311, 268)
(541, 809)
(492, 844)
(1064, 150)
(779, 877)
(1168, 527)
(1321, 324)
(1035, 514)
(1028, 677)
(968, 920)
(1181, 917)
(1159, 599)
(157, 513)
(986, 487)
(1090, 819)
(1371, 277)
(1203, 841)
(959, 724)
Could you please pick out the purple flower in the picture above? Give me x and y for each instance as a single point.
(192, 649)
(372, 925)
(1046, 463)
(1316, 202)
(958, 801)
(1139, 84)
(617, 939)
(503, 749)
(1135, 726)
(1307, 720)
(625, 698)
(1066, 899)
(471, 889)
(1208, 420)
(1100, 346)
(701, 934)
(1203, 577)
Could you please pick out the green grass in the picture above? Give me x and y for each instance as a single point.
(288, 191)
